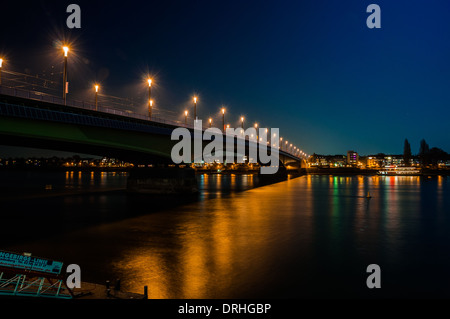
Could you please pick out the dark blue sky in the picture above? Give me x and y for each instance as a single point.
(311, 68)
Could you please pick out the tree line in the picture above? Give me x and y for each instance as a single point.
(426, 155)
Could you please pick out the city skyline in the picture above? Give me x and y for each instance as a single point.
(341, 87)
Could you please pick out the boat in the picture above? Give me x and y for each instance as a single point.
(400, 171)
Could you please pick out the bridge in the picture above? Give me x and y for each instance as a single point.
(34, 119)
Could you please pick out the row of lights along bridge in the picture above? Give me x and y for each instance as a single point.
(285, 146)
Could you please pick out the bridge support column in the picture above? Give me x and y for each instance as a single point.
(280, 176)
(162, 181)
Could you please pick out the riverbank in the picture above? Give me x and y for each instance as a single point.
(340, 171)
(98, 292)
(370, 172)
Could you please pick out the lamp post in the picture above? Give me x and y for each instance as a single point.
(1, 65)
(151, 109)
(257, 136)
(210, 122)
(281, 144)
(185, 117)
(66, 54)
(97, 87)
(150, 102)
(195, 108)
(223, 118)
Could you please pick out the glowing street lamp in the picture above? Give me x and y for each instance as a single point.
(242, 120)
(150, 102)
(65, 84)
(210, 122)
(97, 87)
(185, 117)
(66, 51)
(256, 128)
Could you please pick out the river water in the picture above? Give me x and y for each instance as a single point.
(308, 237)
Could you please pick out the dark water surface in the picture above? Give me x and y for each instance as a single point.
(312, 236)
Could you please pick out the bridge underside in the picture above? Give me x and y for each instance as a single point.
(132, 146)
(125, 145)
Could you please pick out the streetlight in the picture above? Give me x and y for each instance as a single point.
(195, 108)
(1, 64)
(151, 109)
(223, 118)
(281, 144)
(210, 122)
(257, 136)
(185, 117)
(65, 86)
(242, 120)
(150, 102)
(97, 87)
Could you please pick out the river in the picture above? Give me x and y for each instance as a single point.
(308, 237)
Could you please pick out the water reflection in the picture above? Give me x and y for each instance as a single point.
(307, 237)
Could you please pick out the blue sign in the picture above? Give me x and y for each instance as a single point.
(16, 261)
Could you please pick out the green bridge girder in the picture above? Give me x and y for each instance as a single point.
(127, 145)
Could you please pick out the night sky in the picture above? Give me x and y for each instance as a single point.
(311, 68)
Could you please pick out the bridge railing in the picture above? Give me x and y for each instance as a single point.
(44, 97)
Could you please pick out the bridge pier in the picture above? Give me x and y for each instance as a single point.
(162, 181)
(280, 176)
